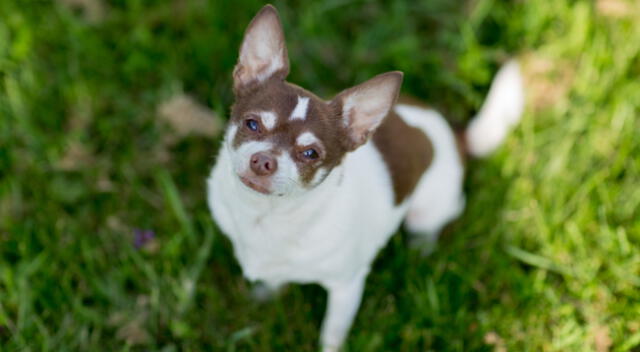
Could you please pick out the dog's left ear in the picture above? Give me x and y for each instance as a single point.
(263, 53)
(364, 106)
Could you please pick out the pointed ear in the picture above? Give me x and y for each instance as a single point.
(263, 53)
(364, 106)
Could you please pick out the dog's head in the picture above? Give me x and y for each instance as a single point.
(282, 138)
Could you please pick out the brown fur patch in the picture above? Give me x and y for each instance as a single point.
(406, 150)
(461, 142)
(281, 98)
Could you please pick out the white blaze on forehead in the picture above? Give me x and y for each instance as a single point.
(268, 119)
(300, 111)
(306, 138)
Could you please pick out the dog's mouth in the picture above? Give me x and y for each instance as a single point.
(254, 185)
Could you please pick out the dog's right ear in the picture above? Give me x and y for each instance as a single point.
(263, 53)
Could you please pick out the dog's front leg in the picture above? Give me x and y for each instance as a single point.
(342, 305)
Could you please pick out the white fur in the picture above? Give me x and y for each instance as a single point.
(306, 138)
(317, 236)
(319, 176)
(242, 155)
(501, 110)
(300, 111)
(438, 198)
(287, 178)
(330, 234)
(232, 130)
(268, 119)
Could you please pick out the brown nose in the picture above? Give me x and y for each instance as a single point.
(263, 164)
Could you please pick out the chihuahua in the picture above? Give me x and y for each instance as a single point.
(309, 190)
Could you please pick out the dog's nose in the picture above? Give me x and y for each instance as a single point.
(263, 164)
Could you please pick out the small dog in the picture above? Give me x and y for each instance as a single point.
(309, 191)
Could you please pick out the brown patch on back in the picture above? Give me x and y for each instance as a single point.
(406, 150)
(461, 141)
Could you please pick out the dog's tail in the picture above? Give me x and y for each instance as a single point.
(499, 113)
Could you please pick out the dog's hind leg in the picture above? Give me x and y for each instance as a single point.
(438, 197)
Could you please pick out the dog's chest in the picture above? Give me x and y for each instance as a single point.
(299, 243)
(326, 236)
(278, 247)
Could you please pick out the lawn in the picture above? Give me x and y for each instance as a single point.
(106, 243)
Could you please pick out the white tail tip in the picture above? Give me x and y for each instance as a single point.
(501, 110)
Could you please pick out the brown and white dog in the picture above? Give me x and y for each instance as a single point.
(309, 190)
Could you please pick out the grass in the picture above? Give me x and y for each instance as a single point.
(545, 258)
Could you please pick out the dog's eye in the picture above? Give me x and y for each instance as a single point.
(252, 125)
(310, 154)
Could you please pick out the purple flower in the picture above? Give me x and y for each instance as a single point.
(142, 237)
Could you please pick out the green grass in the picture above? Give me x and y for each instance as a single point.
(545, 258)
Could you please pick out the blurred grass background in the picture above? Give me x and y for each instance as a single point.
(545, 258)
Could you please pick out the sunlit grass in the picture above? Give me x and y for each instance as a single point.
(545, 258)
